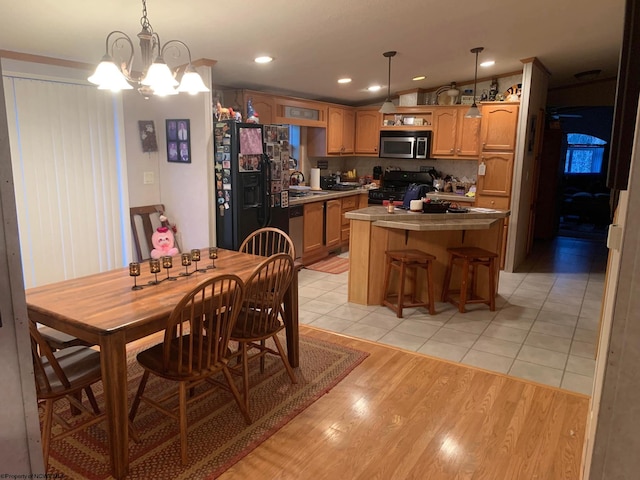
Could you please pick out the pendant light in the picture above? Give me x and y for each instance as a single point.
(388, 106)
(474, 112)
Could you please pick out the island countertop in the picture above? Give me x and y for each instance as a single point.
(374, 231)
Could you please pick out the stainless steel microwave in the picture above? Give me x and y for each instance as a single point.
(405, 144)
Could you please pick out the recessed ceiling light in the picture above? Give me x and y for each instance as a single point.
(374, 88)
(344, 80)
(488, 63)
(419, 77)
(265, 59)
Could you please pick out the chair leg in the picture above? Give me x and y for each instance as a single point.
(245, 374)
(46, 430)
(492, 284)
(432, 308)
(136, 400)
(262, 344)
(236, 395)
(92, 400)
(447, 279)
(183, 422)
(401, 280)
(464, 280)
(283, 356)
(387, 273)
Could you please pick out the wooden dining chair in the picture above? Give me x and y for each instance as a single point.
(194, 350)
(64, 374)
(260, 317)
(148, 215)
(268, 241)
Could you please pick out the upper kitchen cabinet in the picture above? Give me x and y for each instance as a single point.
(337, 138)
(499, 126)
(263, 104)
(455, 136)
(409, 118)
(306, 113)
(340, 131)
(368, 131)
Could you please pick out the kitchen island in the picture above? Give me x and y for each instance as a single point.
(373, 230)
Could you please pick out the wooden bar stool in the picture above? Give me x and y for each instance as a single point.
(470, 258)
(403, 260)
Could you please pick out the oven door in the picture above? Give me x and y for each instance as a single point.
(397, 147)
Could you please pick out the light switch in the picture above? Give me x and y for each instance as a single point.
(148, 178)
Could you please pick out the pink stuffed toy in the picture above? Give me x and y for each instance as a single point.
(163, 243)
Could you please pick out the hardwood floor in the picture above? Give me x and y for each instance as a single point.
(403, 415)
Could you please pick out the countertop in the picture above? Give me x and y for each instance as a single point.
(323, 195)
(475, 219)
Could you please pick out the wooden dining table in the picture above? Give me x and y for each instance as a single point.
(104, 309)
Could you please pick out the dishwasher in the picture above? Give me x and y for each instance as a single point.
(296, 224)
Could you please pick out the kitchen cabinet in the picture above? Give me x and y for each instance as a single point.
(499, 127)
(348, 204)
(340, 130)
(322, 229)
(455, 136)
(498, 173)
(367, 135)
(305, 113)
(263, 104)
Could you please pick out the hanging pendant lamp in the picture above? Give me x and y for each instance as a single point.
(388, 106)
(474, 112)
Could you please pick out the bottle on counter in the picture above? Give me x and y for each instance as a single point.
(390, 206)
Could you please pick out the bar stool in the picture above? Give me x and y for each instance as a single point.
(404, 260)
(470, 258)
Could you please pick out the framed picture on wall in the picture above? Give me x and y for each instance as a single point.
(178, 140)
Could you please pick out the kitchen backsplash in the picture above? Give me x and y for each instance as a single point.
(364, 165)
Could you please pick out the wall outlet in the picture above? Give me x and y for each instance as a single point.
(148, 178)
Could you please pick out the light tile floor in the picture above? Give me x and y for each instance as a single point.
(544, 328)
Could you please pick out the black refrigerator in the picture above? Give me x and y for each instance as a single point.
(251, 168)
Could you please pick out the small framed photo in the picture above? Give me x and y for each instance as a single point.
(178, 141)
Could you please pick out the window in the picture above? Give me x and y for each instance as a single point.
(584, 154)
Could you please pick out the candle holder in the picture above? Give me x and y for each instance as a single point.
(167, 262)
(186, 261)
(195, 256)
(213, 254)
(134, 271)
(154, 267)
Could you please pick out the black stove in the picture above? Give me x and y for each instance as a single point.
(395, 183)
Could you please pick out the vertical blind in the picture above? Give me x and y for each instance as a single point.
(67, 151)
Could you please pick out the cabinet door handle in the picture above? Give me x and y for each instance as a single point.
(452, 150)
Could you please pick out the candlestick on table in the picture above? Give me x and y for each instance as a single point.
(213, 254)
(195, 256)
(154, 267)
(134, 271)
(167, 262)
(186, 261)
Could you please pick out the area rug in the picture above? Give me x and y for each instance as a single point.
(218, 435)
(331, 264)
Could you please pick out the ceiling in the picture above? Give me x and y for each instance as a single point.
(315, 43)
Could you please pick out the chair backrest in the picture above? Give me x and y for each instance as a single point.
(49, 375)
(150, 217)
(263, 296)
(268, 241)
(199, 328)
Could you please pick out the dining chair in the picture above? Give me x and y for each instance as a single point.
(194, 350)
(149, 216)
(58, 340)
(260, 317)
(64, 374)
(268, 241)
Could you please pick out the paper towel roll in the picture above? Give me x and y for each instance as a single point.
(315, 179)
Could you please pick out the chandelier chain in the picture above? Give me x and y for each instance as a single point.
(144, 20)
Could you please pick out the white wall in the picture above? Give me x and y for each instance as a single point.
(184, 189)
(534, 96)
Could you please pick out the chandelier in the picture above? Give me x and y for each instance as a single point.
(156, 78)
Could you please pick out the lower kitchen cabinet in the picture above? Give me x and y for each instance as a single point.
(333, 223)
